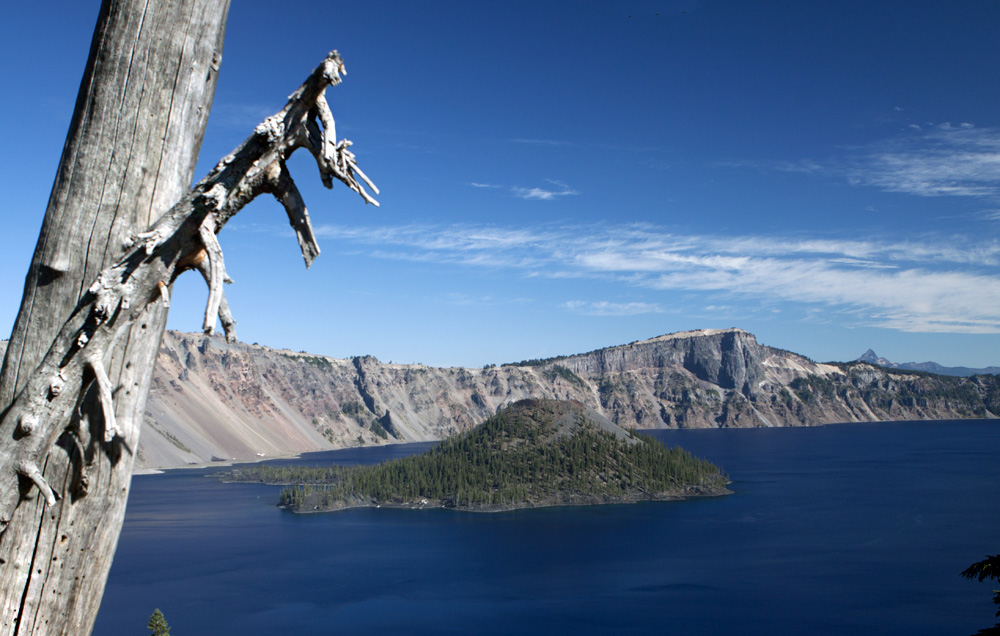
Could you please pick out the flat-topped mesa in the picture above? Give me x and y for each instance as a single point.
(695, 333)
(729, 358)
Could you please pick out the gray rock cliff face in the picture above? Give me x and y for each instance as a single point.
(211, 399)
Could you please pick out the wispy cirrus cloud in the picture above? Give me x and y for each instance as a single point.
(942, 285)
(544, 194)
(543, 142)
(548, 193)
(942, 160)
(605, 308)
(929, 160)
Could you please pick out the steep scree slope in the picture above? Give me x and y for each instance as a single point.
(213, 400)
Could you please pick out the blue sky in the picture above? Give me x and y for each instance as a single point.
(562, 176)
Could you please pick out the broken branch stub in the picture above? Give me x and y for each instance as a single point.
(183, 238)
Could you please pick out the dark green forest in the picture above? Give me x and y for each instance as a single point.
(523, 456)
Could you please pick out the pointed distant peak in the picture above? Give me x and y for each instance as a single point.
(868, 356)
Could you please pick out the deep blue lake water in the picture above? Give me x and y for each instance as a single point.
(856, 529)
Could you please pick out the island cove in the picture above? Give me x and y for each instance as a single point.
(535, 453)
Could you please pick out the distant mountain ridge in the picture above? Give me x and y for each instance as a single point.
(931, 367)
(216, 400)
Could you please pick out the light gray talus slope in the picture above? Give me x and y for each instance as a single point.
(211, 399)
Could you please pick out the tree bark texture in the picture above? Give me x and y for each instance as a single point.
(130, 154)
(70, 433)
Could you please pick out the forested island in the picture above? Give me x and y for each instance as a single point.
(534, 453)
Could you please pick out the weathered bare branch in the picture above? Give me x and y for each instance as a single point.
(95, 362)
(183, 238)
(225, 316)
(31, 471)
(216, 273)
(285, 191)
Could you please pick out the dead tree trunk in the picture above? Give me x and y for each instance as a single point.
(69, 435)
(130, 154)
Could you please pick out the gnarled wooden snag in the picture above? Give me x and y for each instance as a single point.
(184, 237)
(130, 154)
(54, 418)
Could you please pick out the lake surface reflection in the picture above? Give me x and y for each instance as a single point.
(846, 529)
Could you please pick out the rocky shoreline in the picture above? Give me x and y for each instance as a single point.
(533, 454)
(567, 501)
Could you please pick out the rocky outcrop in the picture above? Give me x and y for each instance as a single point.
(211, 399)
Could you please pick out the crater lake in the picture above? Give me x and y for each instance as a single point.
(840, 529)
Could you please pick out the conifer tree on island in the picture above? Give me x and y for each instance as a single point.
(121, 224)
(158, 624)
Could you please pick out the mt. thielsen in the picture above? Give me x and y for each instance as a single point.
(931, 367)
(212, 400)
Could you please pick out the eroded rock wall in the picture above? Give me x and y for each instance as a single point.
(214, 400)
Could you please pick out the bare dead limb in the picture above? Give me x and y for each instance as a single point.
(285, 191)
(183, 238)
(225, 316)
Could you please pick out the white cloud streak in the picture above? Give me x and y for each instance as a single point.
(535, 193)
(944, 285)
(943, 161)
(543, 142)
(927, 161)
(605, 308)
(541, 194)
